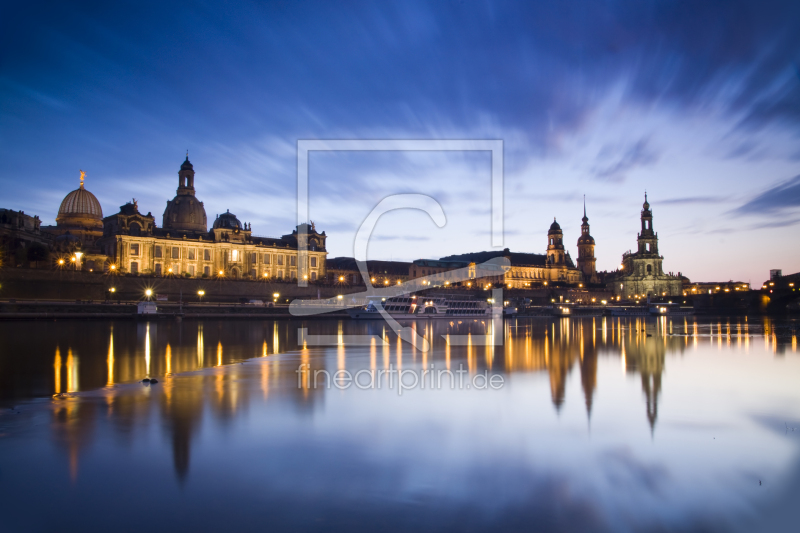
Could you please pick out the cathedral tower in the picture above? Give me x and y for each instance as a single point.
(586, 260)
(555, 245)
(647, 239)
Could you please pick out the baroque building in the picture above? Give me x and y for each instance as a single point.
(184, 246)
(642, 274)
(528, 270)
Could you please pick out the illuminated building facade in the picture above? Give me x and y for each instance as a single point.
(183, 246)
(642, 273)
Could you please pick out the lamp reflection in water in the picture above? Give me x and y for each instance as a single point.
(147, 350)
(57, 370)
(73, 384)
(200, 347)
(110, 359)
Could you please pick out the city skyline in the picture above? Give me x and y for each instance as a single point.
(700, 113)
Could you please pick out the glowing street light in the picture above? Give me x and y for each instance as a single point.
(112, 289)
(221, 273)
(60, 261)
(276, 295)
(341, 278)
(201, 293)
(148, 292)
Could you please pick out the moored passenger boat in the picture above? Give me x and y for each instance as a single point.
(423, 307)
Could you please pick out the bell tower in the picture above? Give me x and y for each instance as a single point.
(586, 259)
(555, 245)
(186, 178)
(647, 239)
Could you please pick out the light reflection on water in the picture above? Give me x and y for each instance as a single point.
(603, 423)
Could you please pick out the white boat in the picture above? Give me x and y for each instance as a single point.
(423, 307)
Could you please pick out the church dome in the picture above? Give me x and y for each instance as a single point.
(186, 164)
(81, 202)
(185, 213)
(227, 221)
(80, 211)
(554, 227)
(585, 239)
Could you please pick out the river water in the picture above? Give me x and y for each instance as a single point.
(569, 424)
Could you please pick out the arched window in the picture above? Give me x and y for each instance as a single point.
(649, 269)
(135, 228)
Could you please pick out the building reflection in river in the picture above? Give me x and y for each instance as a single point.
(115, 356)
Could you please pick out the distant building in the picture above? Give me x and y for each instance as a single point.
(555, 267)
(344, 270)
(184, 246)
(22, 241)
(642, 274)
(712, 287)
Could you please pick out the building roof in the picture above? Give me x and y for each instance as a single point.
(516, 258)
(227, 220)
(445, 262)
(81, 202)
(397, 268)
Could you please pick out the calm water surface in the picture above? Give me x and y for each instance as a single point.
(598, 425)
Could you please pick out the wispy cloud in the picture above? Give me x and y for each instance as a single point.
(614, 162)
(782, 197)
(694, 200)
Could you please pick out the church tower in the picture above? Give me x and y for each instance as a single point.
(647, 239)
(555, 245)
(184, 213)
(586, 260)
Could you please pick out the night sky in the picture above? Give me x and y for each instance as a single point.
(697, 102)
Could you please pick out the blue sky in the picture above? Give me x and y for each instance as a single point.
(697, 102)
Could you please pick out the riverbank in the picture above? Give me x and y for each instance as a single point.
(49, 310)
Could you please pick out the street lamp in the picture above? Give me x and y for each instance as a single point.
(148, 292)
(112, 289)
(200, 294)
